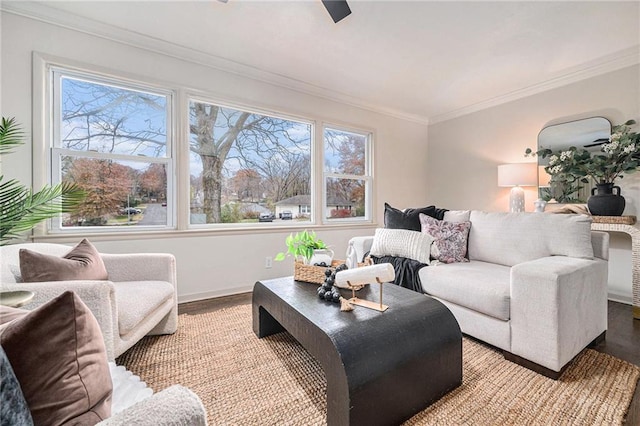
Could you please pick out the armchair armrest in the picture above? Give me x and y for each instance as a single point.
(99, 296)
(558, 307)
(361, 245)
(176, 405)
(141, 267)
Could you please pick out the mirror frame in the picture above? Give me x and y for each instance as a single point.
(588, 133)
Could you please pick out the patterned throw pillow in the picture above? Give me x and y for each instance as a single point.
(450, 238)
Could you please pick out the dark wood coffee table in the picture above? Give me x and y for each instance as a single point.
(381, 367)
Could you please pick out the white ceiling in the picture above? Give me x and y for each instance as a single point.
(423, 59)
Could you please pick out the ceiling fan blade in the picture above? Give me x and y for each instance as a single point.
(338, 9)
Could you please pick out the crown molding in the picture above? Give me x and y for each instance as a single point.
(613, 62)
(43, 13)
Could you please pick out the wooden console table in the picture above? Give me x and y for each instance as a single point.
(627, 225)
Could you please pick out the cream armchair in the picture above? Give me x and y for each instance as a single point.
(140, 297)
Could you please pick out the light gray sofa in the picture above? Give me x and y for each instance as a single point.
(535, 285)
(139, 298)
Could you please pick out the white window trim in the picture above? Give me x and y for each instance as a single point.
(54, 74)
(208, 99)
(367, 177)
(178, 133)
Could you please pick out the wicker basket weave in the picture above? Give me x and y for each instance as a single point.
(310, 273)
(622, 220)
(315, 274)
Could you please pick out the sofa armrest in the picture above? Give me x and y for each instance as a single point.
(141, 267)
(558, 307)
(600, 242)
(176, 405)
(362, 245)
(99, 296)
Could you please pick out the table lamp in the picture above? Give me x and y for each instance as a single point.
(517, 175)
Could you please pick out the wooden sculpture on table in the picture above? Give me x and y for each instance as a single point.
(355, 279)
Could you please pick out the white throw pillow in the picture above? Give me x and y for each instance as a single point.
(457, 216)
(402, 243)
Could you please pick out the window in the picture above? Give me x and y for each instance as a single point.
(112, 139)
(121, 140)
(347, 175)
(244, 164)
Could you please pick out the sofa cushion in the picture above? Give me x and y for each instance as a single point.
(83, 262)
(136, 301)
(457, 216)
(402, 243)
(409, 218)
(482, 287)
(450, 238)
(512, 238)
(59, 358)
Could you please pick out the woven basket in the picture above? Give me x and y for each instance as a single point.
(315, 274)
(310, 273)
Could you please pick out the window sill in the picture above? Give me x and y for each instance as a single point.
(73, 236)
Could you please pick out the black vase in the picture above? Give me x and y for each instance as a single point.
(603, 201)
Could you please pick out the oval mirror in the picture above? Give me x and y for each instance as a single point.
(590, 134)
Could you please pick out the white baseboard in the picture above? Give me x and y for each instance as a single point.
(621, 298)
(184, 298)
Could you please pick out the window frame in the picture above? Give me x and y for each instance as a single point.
(367, 176)
(55, 75)
(193, 96)
(44, 169)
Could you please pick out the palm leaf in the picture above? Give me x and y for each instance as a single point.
(10, 135)
(21, 209)
(26, 209)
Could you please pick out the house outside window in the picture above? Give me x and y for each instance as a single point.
(347, 174)
(112, 138)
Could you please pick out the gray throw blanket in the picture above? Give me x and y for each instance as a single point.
(406, 271)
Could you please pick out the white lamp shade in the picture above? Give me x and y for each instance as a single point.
(518, 174)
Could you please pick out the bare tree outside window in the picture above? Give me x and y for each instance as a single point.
(113, 138)
(346, 173)
(105, 133)
(243, 163)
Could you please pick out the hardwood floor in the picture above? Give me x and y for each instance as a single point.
(622, 340)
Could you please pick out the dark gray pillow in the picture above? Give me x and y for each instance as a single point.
(13, 407)
(409, 218)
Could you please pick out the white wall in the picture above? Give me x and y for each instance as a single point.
(210, 264)
(464, 152)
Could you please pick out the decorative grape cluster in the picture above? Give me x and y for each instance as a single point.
(327, 291)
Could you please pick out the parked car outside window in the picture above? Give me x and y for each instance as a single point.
(131, 210)
(265, 217)
(286, 215)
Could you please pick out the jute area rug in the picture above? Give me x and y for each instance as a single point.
(243, 380)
